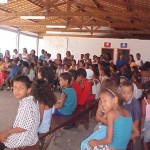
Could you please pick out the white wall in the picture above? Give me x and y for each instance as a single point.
(93, 46)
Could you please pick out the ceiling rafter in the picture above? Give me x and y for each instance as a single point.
(127, 4)
(37, 3)
(63, 14)
(90, 29)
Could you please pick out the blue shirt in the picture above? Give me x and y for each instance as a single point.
(133, 106)
(122, 132)
(120, 63)
(13, 71)
(70, 101)
(42, 57)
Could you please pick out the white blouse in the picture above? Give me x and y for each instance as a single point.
(28, 118)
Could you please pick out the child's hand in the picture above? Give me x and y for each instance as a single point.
(93, 143)
(3, 136)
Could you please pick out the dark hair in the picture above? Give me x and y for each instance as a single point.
(73, 73)
(81, 61)
(138, 54)
(105, 68)
(24, 63)
(108, 83)
(132, 58)
(146, 66)
(81, 72)
(41, 90)
(47, 73)
(114, 91)
(31, 65)
(24, 79)
(127, 84)
(66, 76)
(146, 88)
(114, 67)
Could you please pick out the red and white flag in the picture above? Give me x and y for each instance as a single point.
(107, 44)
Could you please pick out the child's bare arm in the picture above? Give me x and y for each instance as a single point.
(41, 108)
(5, 134)
(143, 114)
(135, 131)
(60, 103)
(99, 114)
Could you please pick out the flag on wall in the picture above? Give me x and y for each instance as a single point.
(107, 44)
(123, 45)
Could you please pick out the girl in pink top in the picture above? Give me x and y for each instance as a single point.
(145, 123)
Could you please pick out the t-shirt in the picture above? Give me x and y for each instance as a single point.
(133, 106)
(13, 71)
(28, 118)
(78, 90)
(85, 92)
(70, 101)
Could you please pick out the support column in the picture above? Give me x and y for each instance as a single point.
(37, 45)
(18, 40)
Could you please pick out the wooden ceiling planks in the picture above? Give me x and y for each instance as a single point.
(128, 16)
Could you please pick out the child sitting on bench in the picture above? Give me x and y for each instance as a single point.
(24, 134)
(41, 90)
(67, 104)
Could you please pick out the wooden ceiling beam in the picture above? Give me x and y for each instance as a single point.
(127, 4)
(75, 24)
(37, 3)
(89, 30)
(71, 14)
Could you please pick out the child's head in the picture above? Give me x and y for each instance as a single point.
(127, 90)
(41, 90)
(14, 63)
(110, 98)
(65, 79)
(73, 62)
(25, 64)
(21, 86)
(59, 66)
(73, 74)
(81, 64)
(66, 66)
(146, 89)
(47, 74)
(81, 74)
(123, 78)
(31, 65)
(108, 83)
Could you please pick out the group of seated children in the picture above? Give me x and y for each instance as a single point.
(118, 109)
(35, 106)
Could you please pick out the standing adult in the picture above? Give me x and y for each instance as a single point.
(16, 54)
(138, 61)
(25, 55)
(121, 61)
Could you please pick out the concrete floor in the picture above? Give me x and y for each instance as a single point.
(69, 140)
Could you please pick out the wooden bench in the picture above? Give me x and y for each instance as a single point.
(80, 115)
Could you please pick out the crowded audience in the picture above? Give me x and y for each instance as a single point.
(122, 91)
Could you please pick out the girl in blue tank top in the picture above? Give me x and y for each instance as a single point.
(119, 123)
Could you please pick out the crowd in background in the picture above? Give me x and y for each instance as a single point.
(89, 77)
